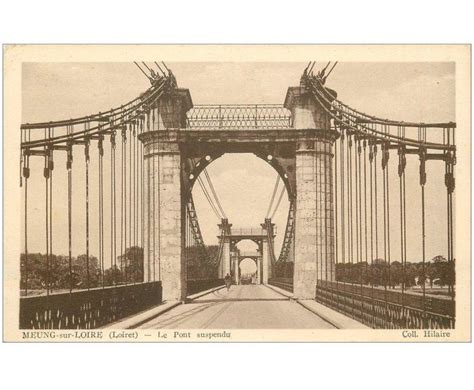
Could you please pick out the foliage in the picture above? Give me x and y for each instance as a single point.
(61, 274)
(437, 271)
(201, 264)
(131, 266)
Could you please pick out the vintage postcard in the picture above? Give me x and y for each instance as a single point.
(233, 193)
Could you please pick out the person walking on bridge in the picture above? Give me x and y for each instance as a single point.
(227, 280)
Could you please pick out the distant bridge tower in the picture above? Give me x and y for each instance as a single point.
(224, 265)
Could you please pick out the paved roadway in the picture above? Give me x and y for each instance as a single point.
(243, 307)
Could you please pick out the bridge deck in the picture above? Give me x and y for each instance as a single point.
(243, 307)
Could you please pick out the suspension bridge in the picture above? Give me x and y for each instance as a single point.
(140, 163)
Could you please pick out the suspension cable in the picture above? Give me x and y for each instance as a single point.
(330, 71)
(384, 168)
(336, 219)
(145, 212)
(206, 193)
(113, 237)
(355, 120)
(155, 193)
(343, 209)
(159, 213)
(101, 210)
(388, 223)
(385, 162)
(358, 209)
(86, 152)
(349, 201)
(150, 213)
(122, 199)
(69, 202)
(372, 272)
(450, 185)
(135, 200)
(142, 205)
(423, 231)
(334, 204)
(365, 211)
(376, 203)
(327, 184)
(401, 175)
(135, 187)
(146, 75)
(214, 193)
(50, 168)
(278, 202)
(130, 203)
(321, 205)
(275, 187)
(317, 216)
(351, 219)
(26, 175)
(208, 197)
(46, 176)
(131, 108)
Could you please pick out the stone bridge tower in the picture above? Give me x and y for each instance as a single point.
(164, 205)
(314, 225)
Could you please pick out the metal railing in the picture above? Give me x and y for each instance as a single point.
(386, 309)
(250, 254)
(238, 117)
(250, 231)
(87, 309)
(194, 286)
(283, 283)
(247, 232)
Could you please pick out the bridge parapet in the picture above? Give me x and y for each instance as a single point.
(250, 254)
(251, 232)
(238, 117)
(383, 308)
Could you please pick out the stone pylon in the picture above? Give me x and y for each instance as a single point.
(267, 270)
(314, 225)
(224, 265)
(164, 206)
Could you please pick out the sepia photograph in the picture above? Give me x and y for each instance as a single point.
(316, 193)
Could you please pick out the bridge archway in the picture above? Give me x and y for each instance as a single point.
(244, 183)
(282, 161)
(248, 270)
(252, 250)
(177, 158)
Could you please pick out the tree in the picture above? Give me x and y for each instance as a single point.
(396, 274)
(379, 272)
(54, 271)
(201, 264)
(131, 265)
(112, 276)
(84, 278)
(437, 270)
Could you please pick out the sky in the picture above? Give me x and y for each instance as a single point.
(406, 91)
